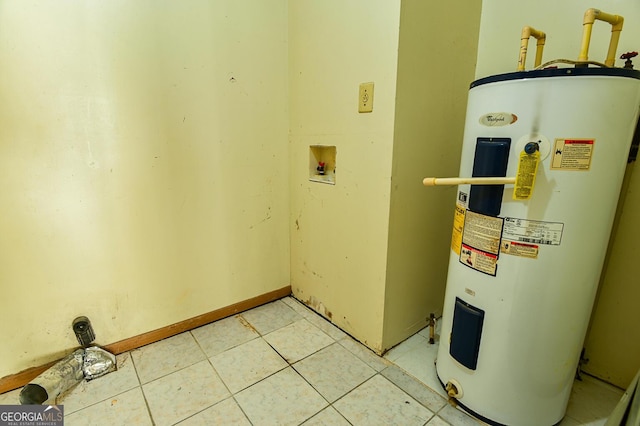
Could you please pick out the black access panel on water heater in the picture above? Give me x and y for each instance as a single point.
(466, 333)
(490, 160)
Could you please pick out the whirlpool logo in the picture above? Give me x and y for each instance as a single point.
(497, 119)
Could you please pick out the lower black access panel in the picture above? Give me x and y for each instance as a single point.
(466, 333)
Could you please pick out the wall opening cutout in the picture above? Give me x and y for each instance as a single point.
(322, 164)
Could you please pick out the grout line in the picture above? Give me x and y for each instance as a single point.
(230, 396)
(247, 324)
(264, 378)
(144, 396)
(219, 377)
(233, 396)
(174, 371)
(306, 356)
(410, 396)
(261, 380)
(97, 402)
(199, 345)
(242, 321)
(291, 365)
(347, 394)
(430, 418)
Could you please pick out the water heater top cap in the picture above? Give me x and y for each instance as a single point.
(557, 72)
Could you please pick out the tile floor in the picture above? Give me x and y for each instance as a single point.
(282, 364)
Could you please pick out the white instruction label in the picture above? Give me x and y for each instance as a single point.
(481, 242)
(532, 231)
(482, 232)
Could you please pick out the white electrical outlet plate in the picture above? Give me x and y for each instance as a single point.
(365, 97)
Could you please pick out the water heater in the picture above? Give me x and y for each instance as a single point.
(545, 152)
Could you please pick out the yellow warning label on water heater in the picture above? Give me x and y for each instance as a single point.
(458, 225)
(526, 176)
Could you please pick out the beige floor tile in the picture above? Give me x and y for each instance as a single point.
(225, 334)
(592, 400)
(298, 306)
(327, 417)
(166, 356)
(11, 397)
(405, 347)
(326, 326)
(334, 371)
(419, 360)
(128, 408)
(298, 340)
(226, 412)
(315, 318)
(365, 354)
(270, 317)
(247, 364)
(282, 399)
(457, 417)
(380, 402)
(184, 393)
(418, 390)
(437, 421)
(102, 388)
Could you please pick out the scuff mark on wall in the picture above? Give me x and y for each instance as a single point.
(307, 268)
(319, 307)
(268, 216)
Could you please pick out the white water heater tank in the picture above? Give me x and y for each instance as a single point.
(523, 272)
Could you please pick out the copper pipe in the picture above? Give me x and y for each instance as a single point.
(528, 32)
(616, 21)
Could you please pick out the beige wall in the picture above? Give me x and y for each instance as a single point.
(339, 233)
(144, 166)
(435, 66)
(370, 252)
(613, 343)
(613, 340)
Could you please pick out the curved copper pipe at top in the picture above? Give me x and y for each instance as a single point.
(616, 21)
(528, 32)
